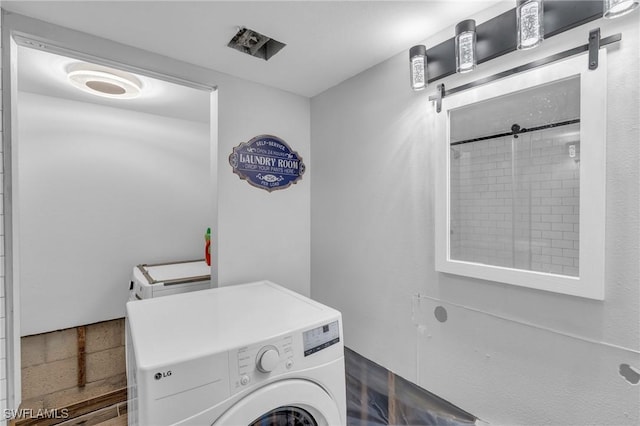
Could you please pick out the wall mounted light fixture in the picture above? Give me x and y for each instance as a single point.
(529, 23)
(465, 46)
(418, 67)
(616, 8)
(498, 35)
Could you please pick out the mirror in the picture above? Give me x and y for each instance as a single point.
(521, 180)
(515, 179)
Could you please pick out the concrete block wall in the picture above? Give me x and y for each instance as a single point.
(50, 365)
(518, 207)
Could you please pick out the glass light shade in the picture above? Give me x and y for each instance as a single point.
(615, 8)
(418, 67)
(529, 22)
(112, 84)
(465, 46)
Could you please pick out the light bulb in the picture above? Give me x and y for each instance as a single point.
(418, 67)
(529, 23)
(465, 46)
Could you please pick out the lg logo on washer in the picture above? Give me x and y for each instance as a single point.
(160, 375)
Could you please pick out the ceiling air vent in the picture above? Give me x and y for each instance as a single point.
(255, 44)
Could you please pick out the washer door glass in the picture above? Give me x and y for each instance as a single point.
(291, 402)
(286, 416)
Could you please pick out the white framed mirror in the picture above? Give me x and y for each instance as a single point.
(521, 180)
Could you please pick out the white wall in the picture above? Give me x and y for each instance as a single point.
(506, 354)
(102, 189)
(263, 235)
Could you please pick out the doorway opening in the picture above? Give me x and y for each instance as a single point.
(96, 186)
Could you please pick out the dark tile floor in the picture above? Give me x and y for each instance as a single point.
(376, 396)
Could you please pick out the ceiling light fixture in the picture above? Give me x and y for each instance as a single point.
(105, 83)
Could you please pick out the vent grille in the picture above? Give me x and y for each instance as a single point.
(255, 44)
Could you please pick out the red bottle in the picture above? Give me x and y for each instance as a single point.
(207, 247)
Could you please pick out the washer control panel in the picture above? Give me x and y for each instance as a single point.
(320, 338)
(257, 362)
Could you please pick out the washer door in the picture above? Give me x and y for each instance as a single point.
(289, 402)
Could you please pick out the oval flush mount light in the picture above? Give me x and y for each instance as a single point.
(105, 82)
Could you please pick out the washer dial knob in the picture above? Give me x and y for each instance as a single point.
(268, 359)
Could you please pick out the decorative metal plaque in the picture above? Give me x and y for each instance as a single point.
(267, 162)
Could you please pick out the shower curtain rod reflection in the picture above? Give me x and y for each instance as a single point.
(516, 130)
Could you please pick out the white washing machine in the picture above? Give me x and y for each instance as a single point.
(251, 354)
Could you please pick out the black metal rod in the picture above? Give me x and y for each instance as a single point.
(519, 130)
(531, 65)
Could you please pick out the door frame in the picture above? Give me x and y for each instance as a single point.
(19, 30)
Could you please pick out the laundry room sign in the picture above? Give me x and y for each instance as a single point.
(267, 162)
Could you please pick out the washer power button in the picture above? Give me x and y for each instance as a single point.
(244, 380)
